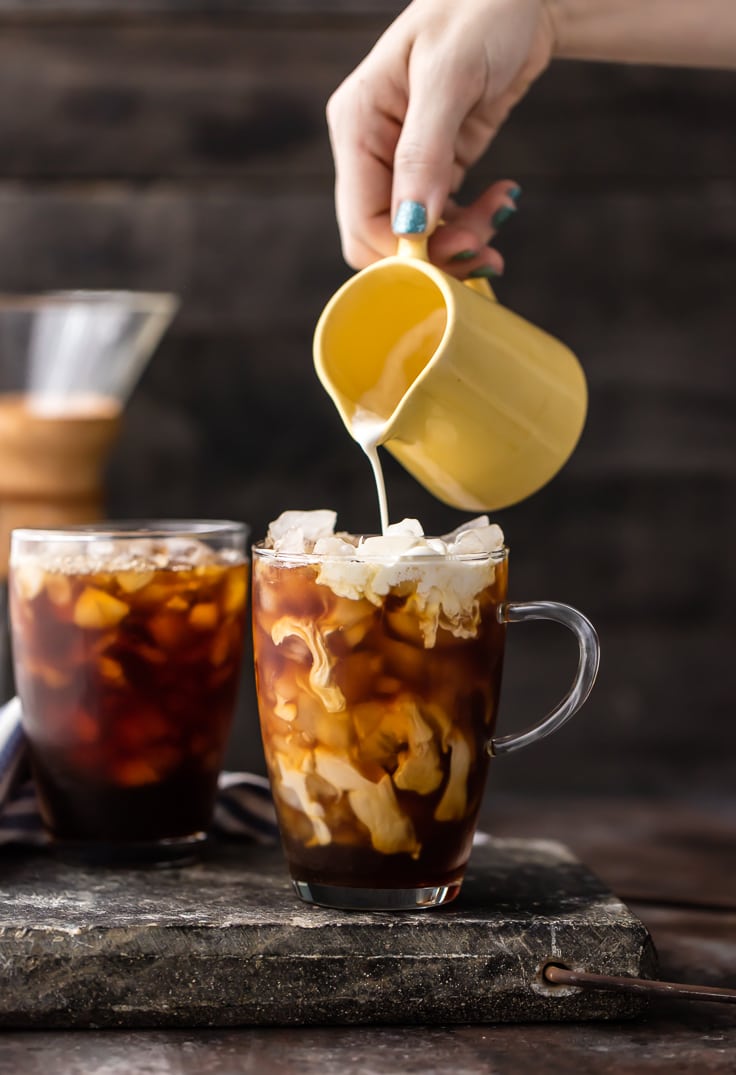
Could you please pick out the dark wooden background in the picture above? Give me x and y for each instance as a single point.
(182, 146)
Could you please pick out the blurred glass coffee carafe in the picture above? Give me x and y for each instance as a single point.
(68, 362)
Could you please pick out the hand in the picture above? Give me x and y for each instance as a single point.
(422, 107)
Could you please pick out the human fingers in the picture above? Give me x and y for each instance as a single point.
(460, 245)
(442, 93)
(363, 134)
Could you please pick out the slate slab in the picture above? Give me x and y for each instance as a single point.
(225, 943)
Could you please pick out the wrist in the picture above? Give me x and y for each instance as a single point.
(600, 29)
(679, 32)
(579, 29)
(555, 14)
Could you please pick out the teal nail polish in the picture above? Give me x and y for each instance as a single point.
(464, 255)
(410, 219)
(514, 193)
(502, 215)
(484, 272)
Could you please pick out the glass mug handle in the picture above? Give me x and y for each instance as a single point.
(582, 685)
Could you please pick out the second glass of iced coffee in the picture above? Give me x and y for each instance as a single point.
(127, 642)
(378, 665)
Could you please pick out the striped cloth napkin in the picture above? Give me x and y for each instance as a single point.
(243, 808)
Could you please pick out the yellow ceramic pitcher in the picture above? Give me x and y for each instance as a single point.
(482, 407)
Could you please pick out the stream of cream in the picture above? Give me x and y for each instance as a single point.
(369, 430)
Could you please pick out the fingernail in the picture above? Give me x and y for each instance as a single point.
(514, 193)
(464, 255)
(410, 219)
(502, 215)
(483, 271)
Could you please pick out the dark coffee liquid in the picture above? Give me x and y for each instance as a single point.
(88, 810)
(445, 852)
(128, 682)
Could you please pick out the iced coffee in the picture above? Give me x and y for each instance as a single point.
(127, 650)
(378, 665)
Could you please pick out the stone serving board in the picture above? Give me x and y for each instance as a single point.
(226, 943)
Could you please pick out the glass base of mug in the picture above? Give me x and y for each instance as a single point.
(343, 898)
(178, 851)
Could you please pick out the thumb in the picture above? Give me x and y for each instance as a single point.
(424, 161)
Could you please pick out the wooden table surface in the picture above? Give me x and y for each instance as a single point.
(673, 861)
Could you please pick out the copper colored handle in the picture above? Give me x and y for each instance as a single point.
(556, 975)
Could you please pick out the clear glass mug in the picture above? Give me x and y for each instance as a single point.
(378, 712)
(127, 645)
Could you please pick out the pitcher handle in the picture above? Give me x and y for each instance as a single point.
(481, 285)
(585, 676)
(412, 246)
(415, 246)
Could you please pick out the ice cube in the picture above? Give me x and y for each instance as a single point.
(111, 670)
(397, 738)
(354, 635)
(59, 589)
(236, 585)
(221, 645)
(337, 771)
(374, 804)
(431, 547)
(28, 579)
(183, 551)
(103, 551)
(284, 708)
(291, 542)
(203, 616)
(130, 581)
(348, 622)
(419, 766)
(454, 802)
(333, 731)
(406, 528)
(291, 785)
(134, 773)
(334, 545)
(297, 531)
(388, 546)
(95, 609)
(406, 623)
(470, 524)
(329, 695)
(399, 539)
(477, 536)
(167, 629)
